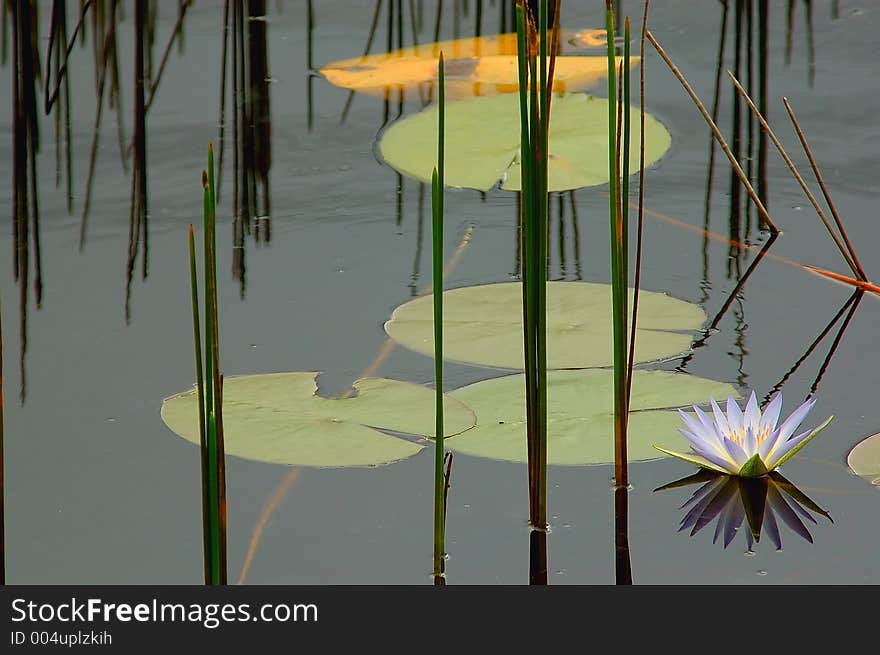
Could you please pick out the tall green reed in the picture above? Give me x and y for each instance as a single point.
(209, 385)
(535, 88)
(618, 214)
(437, 183)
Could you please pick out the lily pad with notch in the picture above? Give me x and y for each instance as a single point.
(278, 418)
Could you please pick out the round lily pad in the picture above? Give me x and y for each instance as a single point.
(864, 459)
(580, 409)
(483, 142)
(278, 418)
(483, 325)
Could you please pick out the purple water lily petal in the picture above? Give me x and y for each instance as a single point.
(719, 460)
(695, 428)
(700, 493)
(771, 528)
(768, 445)
(697, 510)
(708, 423)
(793, 502)
(733, 520)
(783, 449)
(750, 444)
(734, 416)
(701, 437)
(695, 439)
(790, 425)
(720, 419)
(736, 452)
(786, 513)
(771, 413)
(753, 414)
(714, 507)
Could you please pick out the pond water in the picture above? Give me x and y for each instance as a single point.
(98, 490)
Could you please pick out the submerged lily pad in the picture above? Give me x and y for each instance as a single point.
(278, 418)
(864, 459)
(483, 325)
(475, 66)
(483, 143)
(580, 410)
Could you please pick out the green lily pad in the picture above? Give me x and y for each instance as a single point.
(864, 459)
(580, 415)
(278, 418)
(483, 142)
(483, 325)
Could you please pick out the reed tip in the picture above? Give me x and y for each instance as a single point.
(211, 147)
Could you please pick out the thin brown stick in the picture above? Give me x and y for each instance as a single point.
(852, 262)
(641, 211)
(762, 210)
(822, 186)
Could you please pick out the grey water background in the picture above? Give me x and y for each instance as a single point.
(98, 490)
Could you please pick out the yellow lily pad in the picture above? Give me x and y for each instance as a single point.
(478, 66)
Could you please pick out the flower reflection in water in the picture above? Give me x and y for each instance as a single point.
(763, 503)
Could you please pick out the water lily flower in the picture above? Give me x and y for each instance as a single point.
(747, 444)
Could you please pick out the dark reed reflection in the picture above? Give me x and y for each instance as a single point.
(762, 503)
(790, 13)
(622, 562)
(537, 556)
(138, 231)
(97, 21)
(747, 21)
(567, 258)
(2, 468)
(735, 296)
(245, 47)
(847, 311)
(748, 143)
(25, 146)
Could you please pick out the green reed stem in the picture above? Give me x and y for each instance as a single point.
(618, 259)
(527, 219)
(542, 158)
(437, 182)
(210, 386)
(200, 395)
(640, 224)
(534, 89)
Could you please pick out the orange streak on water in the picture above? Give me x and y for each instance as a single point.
(837, 277)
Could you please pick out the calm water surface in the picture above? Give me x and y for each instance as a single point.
(100, 491)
